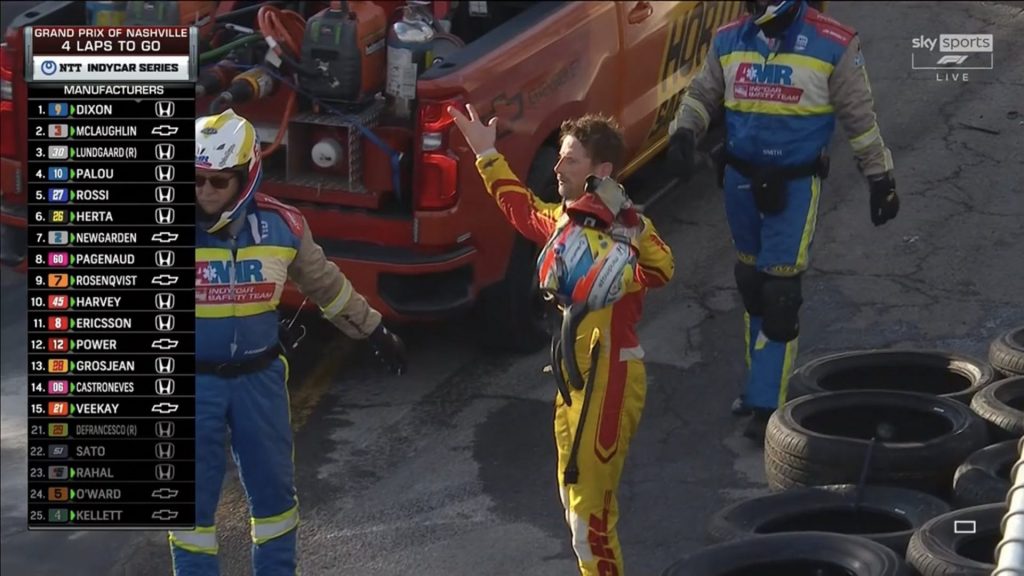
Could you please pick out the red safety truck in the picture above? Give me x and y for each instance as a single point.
(388, 185)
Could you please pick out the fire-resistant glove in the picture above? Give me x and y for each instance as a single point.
(388, 349)
(682, 146)
(885, 204)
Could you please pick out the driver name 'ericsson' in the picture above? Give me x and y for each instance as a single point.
(100, 323)
(105, 280)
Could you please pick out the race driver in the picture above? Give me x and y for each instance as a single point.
(590, 145)
(247, 246)
(784, 74)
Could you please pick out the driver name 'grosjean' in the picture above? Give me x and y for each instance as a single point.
(620, 385)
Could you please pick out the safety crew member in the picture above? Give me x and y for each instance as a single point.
(783, 73)
(247, 246)
(590, 145)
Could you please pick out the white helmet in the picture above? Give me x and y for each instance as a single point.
(227, 141)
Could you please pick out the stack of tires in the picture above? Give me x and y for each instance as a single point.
(883, 463)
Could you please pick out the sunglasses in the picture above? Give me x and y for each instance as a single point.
(219, 181)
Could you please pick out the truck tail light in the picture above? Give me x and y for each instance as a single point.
(436, 169)
(8, 141)
(6, 74)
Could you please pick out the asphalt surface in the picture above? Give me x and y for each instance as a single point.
(449, 470)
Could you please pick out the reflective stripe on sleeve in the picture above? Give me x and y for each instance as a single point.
(339, 302)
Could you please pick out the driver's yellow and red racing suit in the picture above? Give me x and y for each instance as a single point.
(619, 386)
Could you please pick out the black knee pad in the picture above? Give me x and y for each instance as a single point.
(781, 299)
(748, 282)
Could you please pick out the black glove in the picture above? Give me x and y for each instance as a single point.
(682, 147)
(389, 349)
(885, 204)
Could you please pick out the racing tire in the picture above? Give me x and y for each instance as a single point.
(935, 372)
(1001, 404)
(1006, 353)
(919, 440)
(792, 554)
(937, 550)
(888, 516)
(985, 477)
(512, 312)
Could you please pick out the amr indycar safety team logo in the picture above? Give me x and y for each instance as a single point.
(768, 82)
(213, 282)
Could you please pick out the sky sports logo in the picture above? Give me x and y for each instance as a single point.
(955, 52)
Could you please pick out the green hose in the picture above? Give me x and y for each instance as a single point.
(212, 55)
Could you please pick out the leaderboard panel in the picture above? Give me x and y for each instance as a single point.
(111, 308)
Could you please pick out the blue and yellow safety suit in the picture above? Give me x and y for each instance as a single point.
(781, 98)
(241, 380)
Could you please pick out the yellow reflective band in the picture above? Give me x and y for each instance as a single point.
(287, 372)
(339, 302)
(266, 529)
(866, 139)
(794, 60)
(211, 254)
(787, 371)
(234, 310)
(748, 259)
(810, 223)
(759, 107)
(202, 540)
(266, 252)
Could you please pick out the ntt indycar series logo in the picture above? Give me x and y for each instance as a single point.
(951, 55)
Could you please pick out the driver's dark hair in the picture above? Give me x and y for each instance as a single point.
(600, 135)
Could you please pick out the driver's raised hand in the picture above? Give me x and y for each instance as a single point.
(479, 136)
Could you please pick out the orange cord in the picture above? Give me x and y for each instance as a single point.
(287, 28)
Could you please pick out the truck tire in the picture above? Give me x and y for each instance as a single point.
(824, 438)
(984, 478)
(937, 550)
(888, 516)
(1001, 404)
(513, 314)
(793, 553)
(1006, 353)
(945, 374)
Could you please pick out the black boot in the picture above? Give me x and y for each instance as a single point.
(757, 424)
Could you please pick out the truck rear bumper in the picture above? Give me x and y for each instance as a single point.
(402, 284)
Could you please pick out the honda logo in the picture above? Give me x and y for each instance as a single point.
(165, 386)
(165, 365)
(165, 215)
(164, 172)
(165, 194)
(165, 109)
(165, 429)
(164, 451)
(164, 322)
(165, 472)
(165, 301)
(165, 151)
(164, 258)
